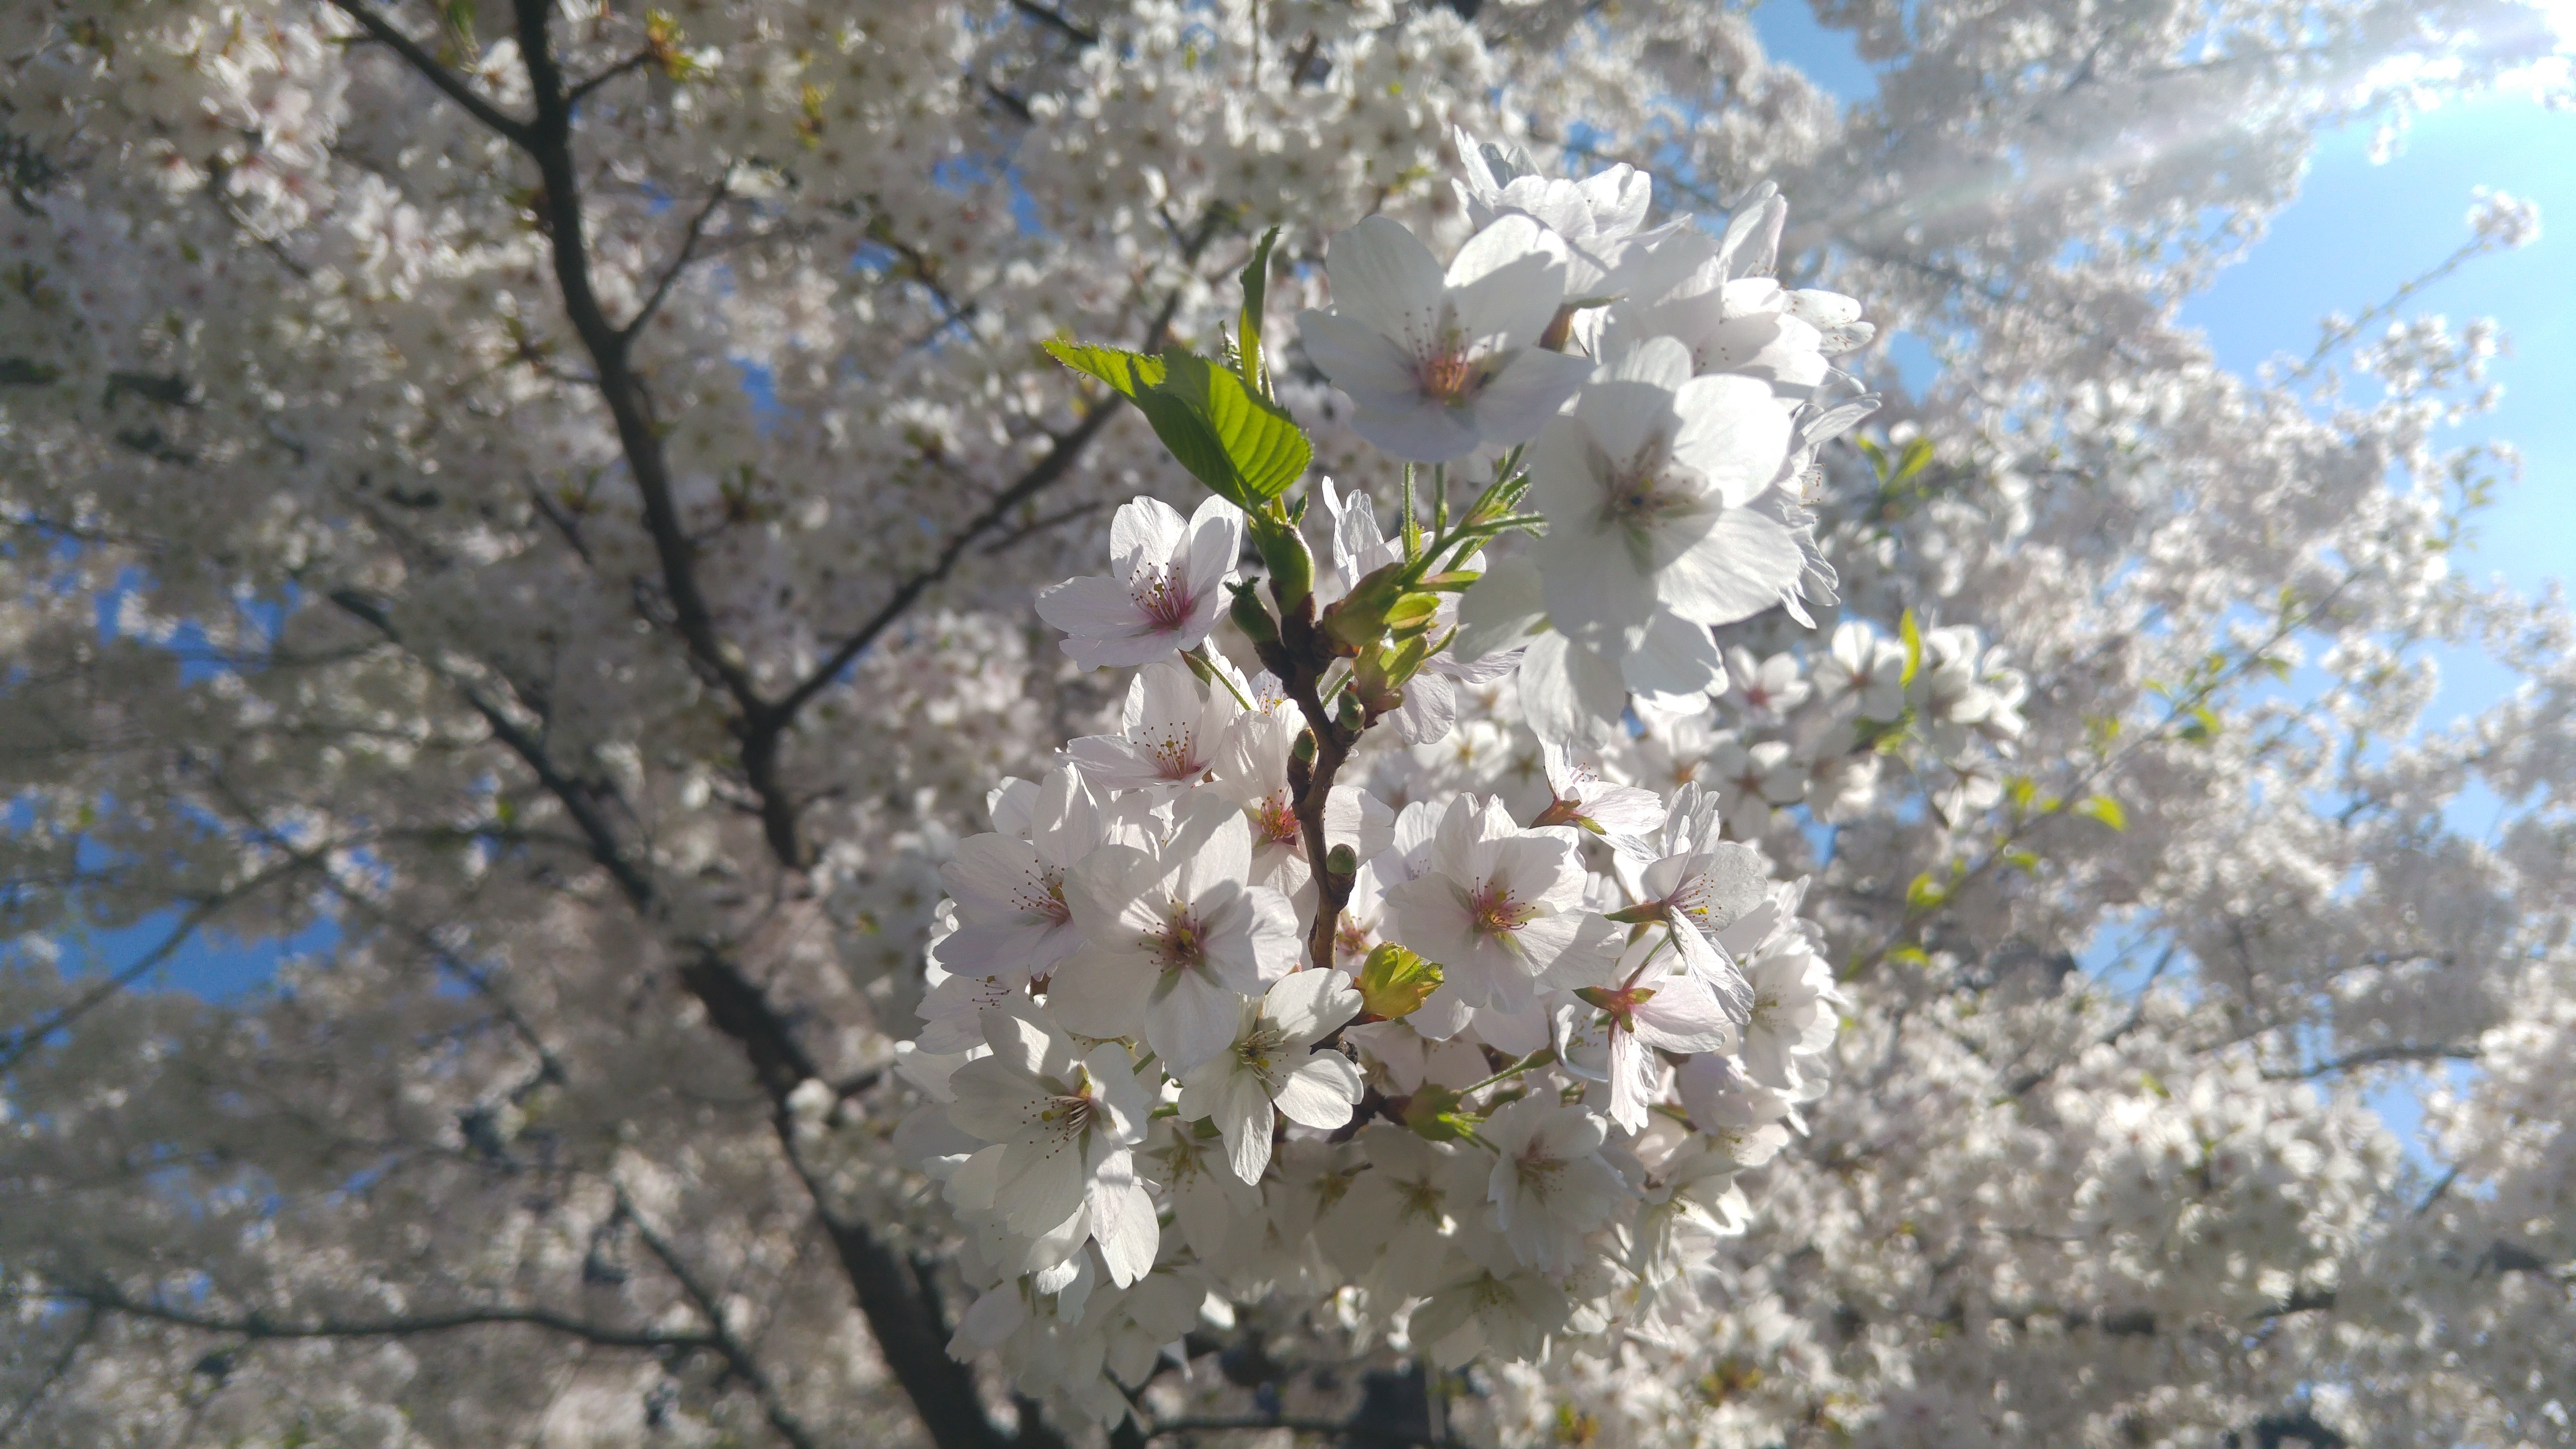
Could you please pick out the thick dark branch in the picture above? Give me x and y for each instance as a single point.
(630, 407)
(514, 130)
(260, 1325)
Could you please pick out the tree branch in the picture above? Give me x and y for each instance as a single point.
(680, 263)
(261, 1326)
(515, 131)
(2374, 1056)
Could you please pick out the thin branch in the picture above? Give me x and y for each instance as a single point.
(1334, 1427)
(737, 1355)
(515, 131)
(26, 1039)
(581, 91)
(579, 799)
(680, 263)
(2374, 1056)
(261, 1326)
(54, 1374)
(1080, 35)
(1059, 459)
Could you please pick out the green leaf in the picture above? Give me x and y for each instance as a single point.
(1876, 455)
(1916, 457)
(2202, 727)
(1243, 447)
(1913, 634)
(1256, 291)
(1130, 373)
(2022, 860)
(2104, 809)
(1924, 895)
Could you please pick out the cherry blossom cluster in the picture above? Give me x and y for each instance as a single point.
(1206, 1023)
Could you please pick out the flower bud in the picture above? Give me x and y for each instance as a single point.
(1284, 553)
(1394, 982)
(1251, 618)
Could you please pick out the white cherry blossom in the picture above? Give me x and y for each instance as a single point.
(1164, 591)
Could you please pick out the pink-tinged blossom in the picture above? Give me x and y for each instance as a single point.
(1171, 733)
(1164, 590)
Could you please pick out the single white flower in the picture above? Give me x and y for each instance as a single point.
(1164, 589)
(1174, 937)
(1171, 733)
(1866, 670)
(1791, 1021)
(1439, 362)
(1012, 920)
(1496, 906)
(1061, 1124)
(1765, 689)
(1272, 1061)
(1210, 1204)
(1749, 781)
(1549, 1186)
(1646, 486)
(1616, 1028)
(1408, 1203)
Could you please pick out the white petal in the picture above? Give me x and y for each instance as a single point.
(1427, 432)
(1384, 275)
(1734, 433)
(1101, 994)
(1744, 564)
(1188, 1019)
(1321, 1092)
(1517, 404)
(1375, 370)
(1143, 531)
(1500, 609)
(1307, 1005)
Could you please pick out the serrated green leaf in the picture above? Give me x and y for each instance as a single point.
(2104, 809)
(1913, 635)
(1916, 457)
(1130, 373)
(1243, 447)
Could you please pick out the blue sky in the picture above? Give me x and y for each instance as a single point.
(2356, 231)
